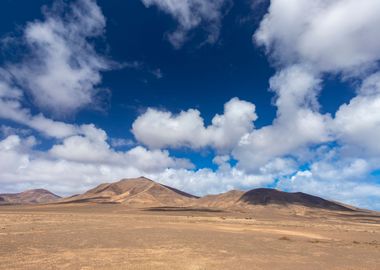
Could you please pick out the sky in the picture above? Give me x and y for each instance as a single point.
(204, 96)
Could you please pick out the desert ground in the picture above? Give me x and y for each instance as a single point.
(113, 236)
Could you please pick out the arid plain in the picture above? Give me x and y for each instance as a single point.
(93, 235)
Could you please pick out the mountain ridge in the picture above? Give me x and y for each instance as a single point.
(144, 192)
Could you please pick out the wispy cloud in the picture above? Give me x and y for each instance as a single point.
(191, 14)
(60, 68)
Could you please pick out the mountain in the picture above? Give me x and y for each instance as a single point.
(223, 200)
(34, 196)
(143, 192)
(134, 192)
(265, 197)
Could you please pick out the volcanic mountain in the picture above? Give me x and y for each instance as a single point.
(267, 196)
(134, 192)
(34, 196)
(236, 199)
(143, 192)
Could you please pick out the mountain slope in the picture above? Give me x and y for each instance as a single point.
(266, 196)
(223, 200)
(143, 192)
(33, 196)
(135, 191)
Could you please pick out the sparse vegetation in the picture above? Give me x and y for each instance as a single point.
(114, 236)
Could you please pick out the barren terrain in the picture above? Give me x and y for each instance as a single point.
(113, 236)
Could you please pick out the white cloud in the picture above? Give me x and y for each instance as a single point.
(61, 69)
(357, 124)
(298, 124)
(344, 180)
(121, 142)
(9, 130)
(11, 109)
(224, 178)
(72, 170)
(92, 147)
(337, 35)
(70, 167)
(191, 14)
(206, 181)
(14, 154)
(159, 129)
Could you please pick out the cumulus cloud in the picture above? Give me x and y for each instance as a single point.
(159, 129)
(60, 68)
(336, 37)
(92, 147)
(66, 169)
(357, 124)
(339, 35)
(78, 162)
(206, 181)
(11, 108)
(337, 178)
(298, 123)
(191, 14)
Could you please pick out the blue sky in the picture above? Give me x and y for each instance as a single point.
(203, 96)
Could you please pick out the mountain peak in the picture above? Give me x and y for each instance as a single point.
(134, 191)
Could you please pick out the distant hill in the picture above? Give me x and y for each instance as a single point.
(34, 196)
(135, 191)
(266, 196)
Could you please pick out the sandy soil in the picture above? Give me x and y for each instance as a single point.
(114, 237)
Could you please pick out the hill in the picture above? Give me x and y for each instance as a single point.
(267, 196)
(223, 200)
(236, 199)
(135, 191)
(34, 196)
(142, 192)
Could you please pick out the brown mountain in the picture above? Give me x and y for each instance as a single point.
(34, 196)
(134, 192)
(143, 192)
(267, 196)
(223, 200)
(236, 199)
